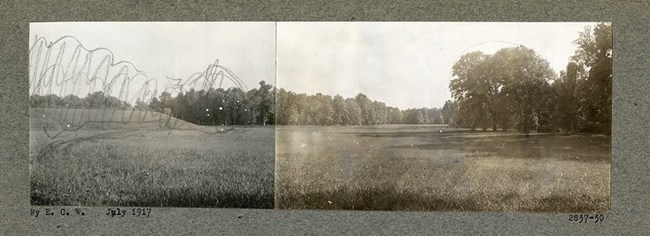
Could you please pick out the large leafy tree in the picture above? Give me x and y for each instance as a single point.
(471, 88)
(594, 60)
(524, 78)
(566, 90)
(512, 84)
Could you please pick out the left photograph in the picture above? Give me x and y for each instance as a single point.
(160, 114)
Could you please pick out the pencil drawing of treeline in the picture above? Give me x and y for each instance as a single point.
(119, 119)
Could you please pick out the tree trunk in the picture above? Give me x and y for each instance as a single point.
(525, 128)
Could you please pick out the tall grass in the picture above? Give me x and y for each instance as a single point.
(153, 168)
(400, 169)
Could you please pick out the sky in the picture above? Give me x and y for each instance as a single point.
(176, 49)
(403, 64)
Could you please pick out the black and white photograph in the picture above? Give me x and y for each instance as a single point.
(388, 116)
(444, 116)
(152, 114)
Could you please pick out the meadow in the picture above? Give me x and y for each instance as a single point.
(424, 168)
(98, 158)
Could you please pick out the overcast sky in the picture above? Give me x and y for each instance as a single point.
(407, 65)
(404, 64)
(177, 50)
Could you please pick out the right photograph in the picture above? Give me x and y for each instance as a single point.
(444, 116)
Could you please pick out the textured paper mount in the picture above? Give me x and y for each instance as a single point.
(629, 181)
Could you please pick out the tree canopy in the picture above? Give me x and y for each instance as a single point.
(319, 109)
(516, 88)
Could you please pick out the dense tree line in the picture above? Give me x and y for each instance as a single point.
(94, 100)
(205, 107)
(319, 109)
(258, 106)
(515, 88)
(220, 106)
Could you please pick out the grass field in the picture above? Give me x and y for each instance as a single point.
(91, 158)
(439, 168)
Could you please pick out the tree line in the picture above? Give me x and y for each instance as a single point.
(96, 100)
(219, 106)
(231, 106)
(516, 88)
(513, 88)
(319, 109)
(258, 106)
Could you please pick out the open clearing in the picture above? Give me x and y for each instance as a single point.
(101, 159)
(411, 167)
